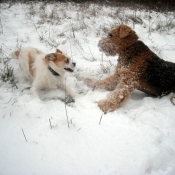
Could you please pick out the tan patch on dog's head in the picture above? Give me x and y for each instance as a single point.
(61, 60)
(57, 57)
(121, 31)
(118, 39)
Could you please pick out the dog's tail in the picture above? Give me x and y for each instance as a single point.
(15, 54)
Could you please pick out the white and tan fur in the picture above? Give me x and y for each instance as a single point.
(34, 65)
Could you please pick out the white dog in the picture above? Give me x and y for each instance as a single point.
(44, 70)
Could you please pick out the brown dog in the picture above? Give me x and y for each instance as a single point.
(138, 68)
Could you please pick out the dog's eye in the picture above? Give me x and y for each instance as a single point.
(110, 36)
(67, 61)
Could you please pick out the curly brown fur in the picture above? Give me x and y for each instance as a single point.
(138, 68)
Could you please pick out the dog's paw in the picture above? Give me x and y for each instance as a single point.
(106, 106)
(72, 94)
(90, 82)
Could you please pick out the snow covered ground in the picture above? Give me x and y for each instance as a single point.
(136, 139)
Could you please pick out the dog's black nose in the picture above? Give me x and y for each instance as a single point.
(74, 64)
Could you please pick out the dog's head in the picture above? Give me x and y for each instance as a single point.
(60, 62)
(117, 40)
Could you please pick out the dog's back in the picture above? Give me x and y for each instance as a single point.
(26, 58)
(160, 74)
(153, 71)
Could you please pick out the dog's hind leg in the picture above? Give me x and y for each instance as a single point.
(172, 98)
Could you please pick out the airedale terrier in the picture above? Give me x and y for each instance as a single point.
(138, 68)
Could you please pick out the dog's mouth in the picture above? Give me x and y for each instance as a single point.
(68, 69)
(107, 52)
(108, 48)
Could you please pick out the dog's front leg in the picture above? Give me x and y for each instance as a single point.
(70, 92)
(67, 90)
(116, 98)
(108, 83)
(34, 91)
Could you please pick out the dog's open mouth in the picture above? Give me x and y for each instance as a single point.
(107, 52)
(69, 69)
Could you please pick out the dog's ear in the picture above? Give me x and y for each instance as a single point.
(58, 51)
(124, 31)
(51, 56)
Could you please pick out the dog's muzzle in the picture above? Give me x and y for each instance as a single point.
(107, 47)
(71, 68)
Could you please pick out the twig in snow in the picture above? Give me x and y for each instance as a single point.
(40, 37)
(72, 30)
(24, 135)
(71, 121)
(81, 53)
(9, 101)
(100, 119)
(91, 54)
(14, 102)
(50, 124)
(78, 129)
(1, 22)
(66, 106)
(70, 48)
(25, 89)
(1, 26)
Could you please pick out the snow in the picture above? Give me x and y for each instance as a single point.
(136, 139)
